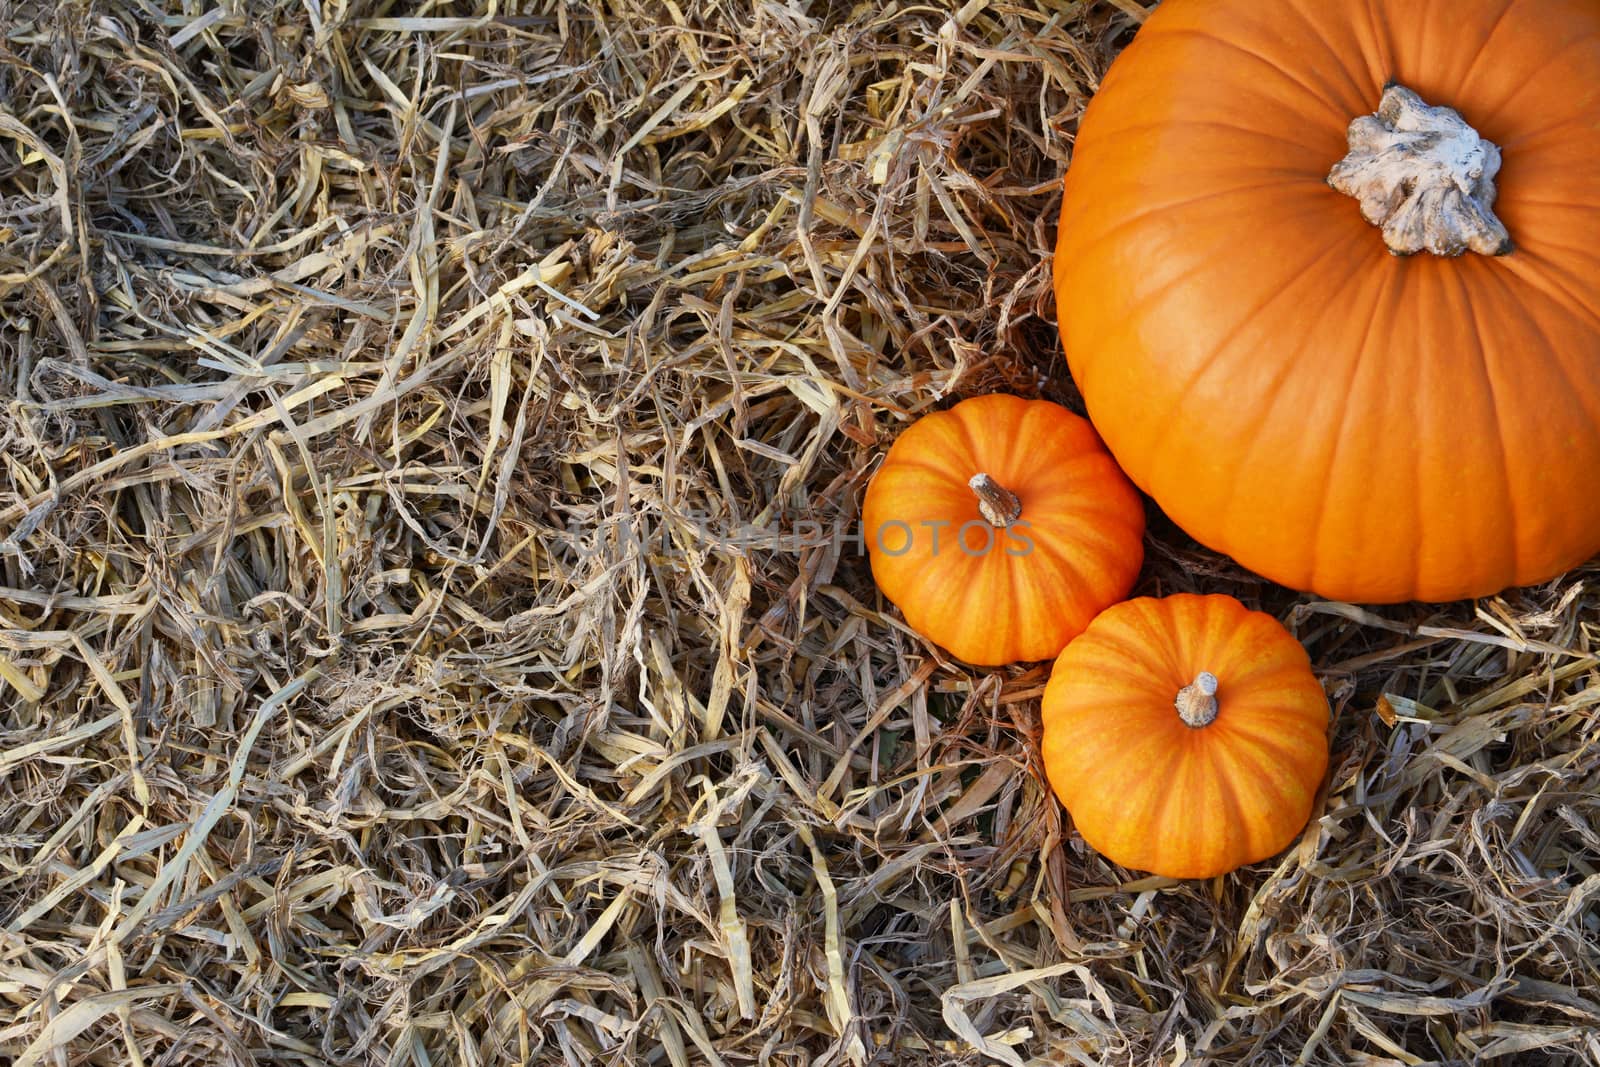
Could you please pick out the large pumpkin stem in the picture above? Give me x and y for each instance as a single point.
(1197, 701)
(995, 502)
(1424, 177)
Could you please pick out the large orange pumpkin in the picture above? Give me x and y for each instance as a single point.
(1186, 736)
(1001, 527)
(1254, 338)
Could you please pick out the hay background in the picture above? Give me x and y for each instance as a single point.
(392, 670)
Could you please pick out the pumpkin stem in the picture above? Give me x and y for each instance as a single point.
(1424, 177)
(995, 502)
(1197, 701)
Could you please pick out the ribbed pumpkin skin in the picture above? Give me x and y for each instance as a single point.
(1148, 791)
(1370, 428)
(1084, 523)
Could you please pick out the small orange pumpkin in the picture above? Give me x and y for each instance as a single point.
(1001, 527)
(1186, 736)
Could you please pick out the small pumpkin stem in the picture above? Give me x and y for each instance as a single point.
(1197, 701)
(1424, 177)
(995, 502)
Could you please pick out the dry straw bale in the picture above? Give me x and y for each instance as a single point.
(415, 651)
